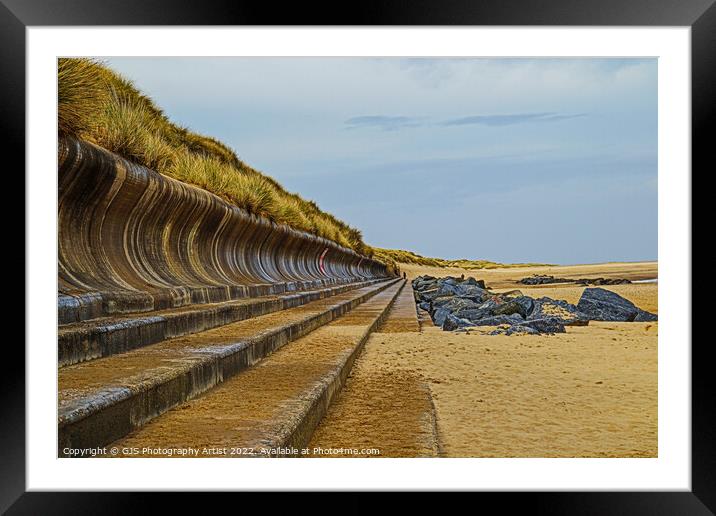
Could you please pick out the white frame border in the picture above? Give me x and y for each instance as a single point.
(670, 471)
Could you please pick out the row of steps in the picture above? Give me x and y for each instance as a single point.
(273, 408)
(140, 378)
(105, 336)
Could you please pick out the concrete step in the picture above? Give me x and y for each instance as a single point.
(272, 408)
(103, 400)
(84, 341)
(403, 316)
(74, 305)
(391, 404)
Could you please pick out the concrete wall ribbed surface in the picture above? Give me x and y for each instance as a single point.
(131, 239)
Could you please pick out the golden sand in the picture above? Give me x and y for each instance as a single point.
(591, 392)
(506, 277)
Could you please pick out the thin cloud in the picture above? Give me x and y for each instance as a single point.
(386, 123)
(512, 119)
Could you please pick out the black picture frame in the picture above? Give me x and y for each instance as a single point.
(700, 15)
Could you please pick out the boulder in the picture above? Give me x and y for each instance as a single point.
(473, 314)
(429, 295)
(457, 304)
(507, 308)
(546, 325)
(522, 305)
(426, 286)
(490, 304)
(497, 320)
(453, 323)
(644, 316)
(604, 305)
(521, 329)
(424, 283)
(447, 289)
(440, 315)
(526, 305)
(472, 292)
(438, 302)
(476, 283)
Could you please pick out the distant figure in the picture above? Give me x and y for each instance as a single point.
(403, 274)
(462, 276)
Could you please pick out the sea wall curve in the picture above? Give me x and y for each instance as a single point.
(130, 239)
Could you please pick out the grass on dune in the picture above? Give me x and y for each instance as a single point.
(399, 256)
(98, 105)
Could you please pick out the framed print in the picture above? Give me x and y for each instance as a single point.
(415, 248)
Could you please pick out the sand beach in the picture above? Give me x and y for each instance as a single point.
(590, 392)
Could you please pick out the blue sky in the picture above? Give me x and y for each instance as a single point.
(512, 160)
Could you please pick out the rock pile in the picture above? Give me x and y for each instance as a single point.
(543, 279)
(457, 303)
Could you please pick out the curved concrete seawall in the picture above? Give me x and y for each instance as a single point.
(132, 240)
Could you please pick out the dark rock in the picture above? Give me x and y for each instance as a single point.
(473, 314)
(604, 305)
(429, 295)
(440, 315)
(453, 323)
(526, 305)
(546, 325)
(439, 302)
(490, 304)
(457, 303)
(447, 289)
(521, 329)
(424, 283)
(421, 287)
(542, 279)
(472, 281)
(644, 316)
(427, 285)
(507, 308)
(603, 281)
(471, 292)
(522, 305)
(557, 308)
(498, 320)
